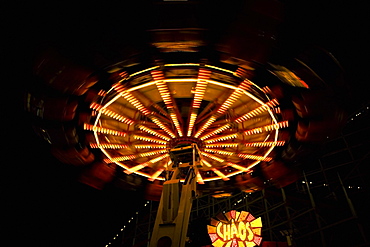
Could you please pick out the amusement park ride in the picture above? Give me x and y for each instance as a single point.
(186, 111)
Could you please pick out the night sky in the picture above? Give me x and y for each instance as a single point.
(45, 206)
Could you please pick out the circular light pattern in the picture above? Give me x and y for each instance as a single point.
(148, 120)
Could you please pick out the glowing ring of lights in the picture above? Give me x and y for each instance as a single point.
(146, 114)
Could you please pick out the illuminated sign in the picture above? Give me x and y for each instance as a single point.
(235, 229)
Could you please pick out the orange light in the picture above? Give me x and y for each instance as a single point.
(222, 138)
(241, 72)
(266, 90)
(103, 130)
(153, 132)
(254, 157)
(108, 145)
(118, 87)
(102, 93)
(149, 139)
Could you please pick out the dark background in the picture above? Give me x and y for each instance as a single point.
(45, 206)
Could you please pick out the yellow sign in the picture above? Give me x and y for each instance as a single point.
(235, 229)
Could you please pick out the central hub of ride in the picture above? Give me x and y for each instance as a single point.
(183, 141)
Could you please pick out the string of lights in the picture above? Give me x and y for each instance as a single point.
(124, 227)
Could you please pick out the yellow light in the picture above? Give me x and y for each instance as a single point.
(136, 168)
(234, 96)
(176, 123)
(253, 131)
(241, 168)
(146, 146)
(206, 163)
(200, 90)
(216, 131)
(108, 145)
(222, 145)
(111, 114)
(193, 117)
(222, 138)
(257, 222)
(149, 139)
(218, 68)
(257, 111)
(199, 178)
(103, 130)
(201, 86)
(121, 158)
(205, 126)
(153, 132)
(276, 126)
(212, 157)
(181, 64)
(264, 144)
(142, 165)
(156, 174)
(220, 174)
(152, 153)
(135, 102)
(223, 152)
(162, 87)
(162, 126)
(143, 71)
(254, 157)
